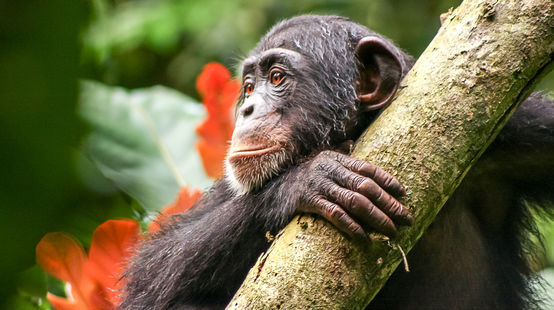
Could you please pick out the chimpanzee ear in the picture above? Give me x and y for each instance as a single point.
(380, 72)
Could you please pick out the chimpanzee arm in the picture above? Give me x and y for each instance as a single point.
(198, 260)
(201, 258)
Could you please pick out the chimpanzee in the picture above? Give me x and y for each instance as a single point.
(312, 84)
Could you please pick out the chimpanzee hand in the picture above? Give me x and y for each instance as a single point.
(352, 194)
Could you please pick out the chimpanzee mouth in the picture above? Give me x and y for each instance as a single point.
(247, 168)
(246, 152)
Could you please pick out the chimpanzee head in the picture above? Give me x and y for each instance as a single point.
(311, 83)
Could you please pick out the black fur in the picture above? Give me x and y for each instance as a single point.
(471, 258)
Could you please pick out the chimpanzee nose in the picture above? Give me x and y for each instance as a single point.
(247, 111)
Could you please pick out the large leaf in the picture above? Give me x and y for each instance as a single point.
(143, 140)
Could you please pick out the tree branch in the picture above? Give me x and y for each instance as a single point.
(484, 61)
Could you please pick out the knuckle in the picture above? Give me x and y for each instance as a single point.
(380, 196)
(336, 212)
(329, 189)
(379, 173)
(358, 183)
(359, 165)
(372, 170)
(368, 169)
(389, 180)
(391, 204)
(336, 156)
(397, 208)
(394, 208)
(370, 209)
(316, 164)
(314, 200)
(366, 186)
(386, 223)
(356, 229)
(349, 198)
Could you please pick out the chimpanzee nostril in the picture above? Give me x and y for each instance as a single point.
(248, 110)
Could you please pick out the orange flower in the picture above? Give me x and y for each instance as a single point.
(93, 282)
(219, 93)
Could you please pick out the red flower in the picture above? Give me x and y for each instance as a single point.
(219, 93)
(94, 282)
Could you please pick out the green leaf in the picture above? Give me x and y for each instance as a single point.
(30, 293)
(20, 302)
(143, 140)
(32, 282)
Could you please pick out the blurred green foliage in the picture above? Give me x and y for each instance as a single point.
(142, 43)
(39, 57)
(46, 46)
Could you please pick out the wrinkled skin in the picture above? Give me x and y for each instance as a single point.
(352, 194)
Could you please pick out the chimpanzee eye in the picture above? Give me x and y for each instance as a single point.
(248, 88)
(276, 75)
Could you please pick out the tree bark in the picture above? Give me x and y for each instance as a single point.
(484, 61)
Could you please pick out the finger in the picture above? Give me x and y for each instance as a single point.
(382, 178)
(338, 217)
(378, 196)
(362, 209)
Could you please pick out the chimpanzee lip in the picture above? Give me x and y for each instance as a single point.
(251, 151)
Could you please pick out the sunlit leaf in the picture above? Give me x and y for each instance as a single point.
(185, 200)
(32, 282)
(112, 244)
(23, 302)
(143, 140)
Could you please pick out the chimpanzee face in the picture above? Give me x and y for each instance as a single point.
(303, 93)
(262, 140)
